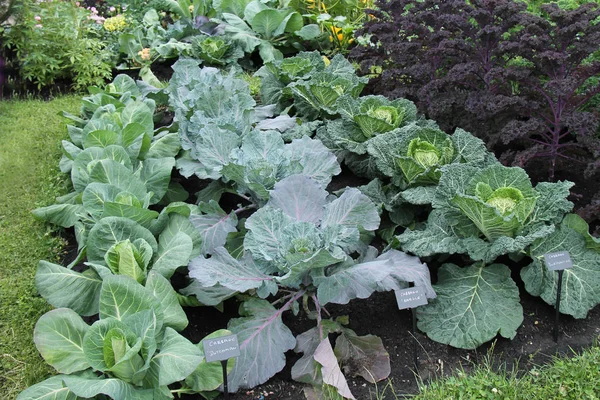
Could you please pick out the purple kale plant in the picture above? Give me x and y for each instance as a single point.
(559, 80)
(490, 67)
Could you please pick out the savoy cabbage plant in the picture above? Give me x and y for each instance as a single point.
(485, 213)
(312, 248)
(131, 352)
(309, 82)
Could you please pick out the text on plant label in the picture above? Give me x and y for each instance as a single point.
(411, 297)
(558, 260)
(221, 348)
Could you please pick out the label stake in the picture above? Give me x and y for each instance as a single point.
(558, 290)
(415, 344)
(225, 388)
(558, 261)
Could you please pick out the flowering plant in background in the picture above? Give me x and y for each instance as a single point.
(53, 40)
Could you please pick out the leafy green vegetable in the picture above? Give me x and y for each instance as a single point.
(487, 213)
(473, 304)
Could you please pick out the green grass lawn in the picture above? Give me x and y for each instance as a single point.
(30, 135)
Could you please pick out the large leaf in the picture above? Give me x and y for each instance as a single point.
(174, 251)
(140, 113)
(58, 336)
(156, 175)
(265, 231)
(580, 285)
(332, 374)
(209, 296)
(263, 339)
(65, 215)
(474, 304)
(214, 225)
(121, 296)
(266, 22)
(353, 209)
(177, 358)
(221, 268)
(114, 388)
(52, 388)
(161, 288)
(63, 287)
(300, 197)
(112, 230)
(363, 356)
(116, 174)
(317, 161)
(361, 280)
(212, 149)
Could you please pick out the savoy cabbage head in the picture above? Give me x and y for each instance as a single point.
(488, 212)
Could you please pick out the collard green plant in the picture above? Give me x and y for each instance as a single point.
(130, 353)
(300, 242)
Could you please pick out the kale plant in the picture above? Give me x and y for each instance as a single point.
(490, 67)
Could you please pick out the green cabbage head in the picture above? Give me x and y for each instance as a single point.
(498, 200)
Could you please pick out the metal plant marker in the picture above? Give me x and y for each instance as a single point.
(412, 298)
(558, 261)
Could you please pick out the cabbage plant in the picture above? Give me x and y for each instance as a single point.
(129, 353)
(485, 213)
(299, 246)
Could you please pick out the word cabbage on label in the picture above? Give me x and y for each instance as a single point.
(221, 348)
(558, 261)
(411, 297)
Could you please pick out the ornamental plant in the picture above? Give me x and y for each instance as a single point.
(490, 67)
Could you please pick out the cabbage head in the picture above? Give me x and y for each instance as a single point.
(488, 212)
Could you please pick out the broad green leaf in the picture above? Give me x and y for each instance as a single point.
(236, 7)
(209, 375)
(580, 289)
(121, 296)
(213, 225)
(221, 268)
(100, 138)
(116, 174)
(161, 288)
(300, 197)
(52, 388)
(58, 336)
(111, 230)
(213, 149)
(114, 388)
(264, 235)
(266, 22)
(174, 251)
(317, 161)
(209, 296)
(65, 215)
(62, 287)
(177, 358)
(142, 216)
(299, 270)
(579, 225)
(167, 146)
(260, 332)
(473, 305)
(156, 175)
(352, 209)
(96, 338)
(138, 112)
(357, 281)
(96, 195)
